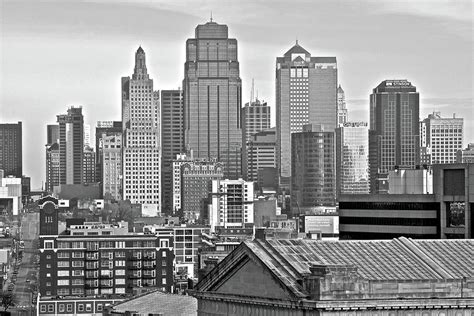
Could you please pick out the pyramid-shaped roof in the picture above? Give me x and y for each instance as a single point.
(296, 49)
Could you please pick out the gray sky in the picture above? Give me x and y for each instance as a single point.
(54, 54)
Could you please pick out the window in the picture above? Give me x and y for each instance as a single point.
(119, 272)
(48, 266)
(119, 281)
(63, 273)
(120, 263)
(100, 307)
(69, 307)
(63, 282)
(80, 307)
(164, 243)
(43, 308)
(50, 308)
(48, 244)
(120, 290)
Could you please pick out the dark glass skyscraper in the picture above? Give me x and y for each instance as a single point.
(213, 97)
(11, 153)
(394, 138)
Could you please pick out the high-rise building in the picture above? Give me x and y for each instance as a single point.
(306, 93)
(71, 146)
(172, 140)
(352, 158)
(52, 134)
(11, 153)
(109, 128)
(177, 163)
(441, 138)
(112, 165)
(213, 97)
(313, 172)
(196, 184)
(88, 168)
(393, 131)
(52, 166)
(141, 139)
(87, 135)
(260, 153)
(466, 155)
(341, 106)
(231, 204)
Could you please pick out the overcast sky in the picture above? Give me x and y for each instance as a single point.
(55, 54)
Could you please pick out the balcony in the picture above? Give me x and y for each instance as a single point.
(149, 275)
(92, 256)
(148, 267)
(135, 266)
(135, 276)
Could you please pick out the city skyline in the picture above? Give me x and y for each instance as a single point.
(73, 53)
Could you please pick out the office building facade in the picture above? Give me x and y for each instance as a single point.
(177, 163)
(52, 166)
(111, 165)
(108, 128)
(88, 168)
(341, 107)
(466, 155)
(231, 204)
(313, 174)
(141, 139)
(352, 158)
(52, 134)
(213, 97)
(172, 140)
(11, 152)
(306, 93)
(71, 146)
(441, 138)
(260, 153)
(394, 138)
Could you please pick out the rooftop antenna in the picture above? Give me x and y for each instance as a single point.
(211, 16)
(251, 93)
(256, 98)
(296, 39)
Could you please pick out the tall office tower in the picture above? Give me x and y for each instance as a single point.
(88, 168)
(177, 163)
(352, 158)
(52, 134)
(11, 154)
(393, 131)
(141, 139)
(109, 128)
(231, 204)
(213, 97)
(71, 146)
(196, 184)
(172, 141)
(87, 135)
(112, 165)
(260, 153)
(341, 107)
(466, 155)
(313, 169)
(52, 166)
(443, 136)
(306, 93)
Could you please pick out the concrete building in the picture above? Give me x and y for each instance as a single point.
(352, 158)
(88, 168)
(307, 277)
(313, 169)
(177, 163)
(196, 185)
(52, 134)
(10, 196)
(111, 165)
(410, 181)
(255, 118)
(172, 140)
(341, 107)
(52, 166)
(441, 138)
(466, 155)
(96, 259)
(108, 128)
(71, 146)
(213, 97)
(11, 149)
(232, 204)
(260, 154)
(394, 138)
(141, 139)
(306, 93)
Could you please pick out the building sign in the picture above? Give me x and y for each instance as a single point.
(321, 223)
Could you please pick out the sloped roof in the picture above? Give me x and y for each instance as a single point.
(161, 303)
(296, 49)
(398, 259)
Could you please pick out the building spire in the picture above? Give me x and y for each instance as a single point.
(297, 40)
(211, 16)
(140, 71)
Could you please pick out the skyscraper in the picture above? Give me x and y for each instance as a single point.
(88, 168)
(112, 165)
(260, 153)
(71, 146)
(313, 169)
(52, 134)
(352, 158)
(255, 118)
(11, 153)
(393, 131)
(107, 128)
(141, 139)
(442, 137)
(52, 166)
(172, 140)
(213, 97)
(341, 107)
(306, 93)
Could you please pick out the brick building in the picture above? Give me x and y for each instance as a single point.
(97, 259)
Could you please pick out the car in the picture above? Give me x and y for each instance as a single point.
(28, 280)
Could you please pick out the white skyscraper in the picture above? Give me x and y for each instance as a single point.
(141, 139)
(341, 107)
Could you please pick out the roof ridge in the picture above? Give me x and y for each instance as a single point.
(423, 257)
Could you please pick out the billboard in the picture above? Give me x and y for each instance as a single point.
(321, 223)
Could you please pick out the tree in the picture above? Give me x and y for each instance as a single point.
(7, 300)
